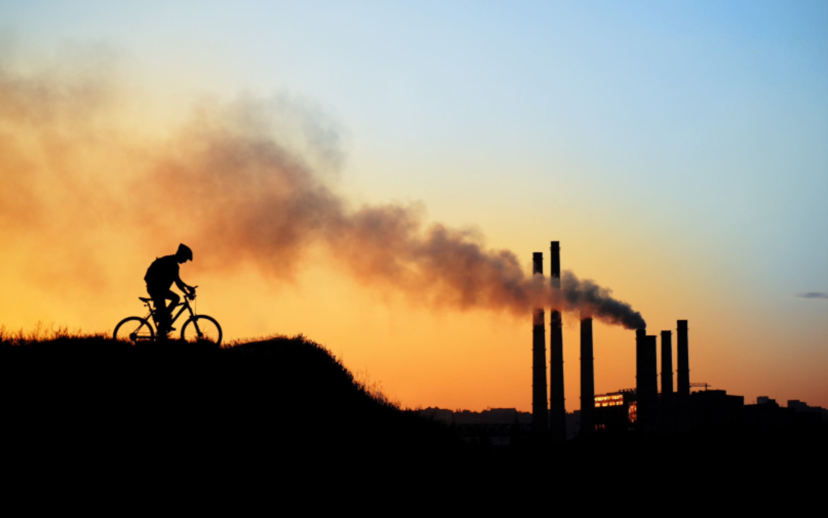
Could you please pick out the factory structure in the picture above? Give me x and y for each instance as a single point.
(643, 409)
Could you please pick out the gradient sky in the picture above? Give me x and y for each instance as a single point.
(676, 149)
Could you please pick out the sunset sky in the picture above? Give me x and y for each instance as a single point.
(677, 150)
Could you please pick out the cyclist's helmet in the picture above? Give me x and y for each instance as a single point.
(185, 252)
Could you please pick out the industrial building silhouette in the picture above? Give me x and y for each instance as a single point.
(642, 411)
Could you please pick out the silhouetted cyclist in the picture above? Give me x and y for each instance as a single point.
(160, 276)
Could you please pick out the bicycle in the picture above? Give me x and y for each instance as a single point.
(196, 327)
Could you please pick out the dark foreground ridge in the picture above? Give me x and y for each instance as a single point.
(280, 403)
(285, 399)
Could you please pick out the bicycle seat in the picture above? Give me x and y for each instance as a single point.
(144, 299)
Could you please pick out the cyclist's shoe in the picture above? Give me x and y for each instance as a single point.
(162, 333)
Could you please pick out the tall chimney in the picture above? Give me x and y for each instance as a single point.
(683, 360)
(666, 366)
(540, 410)
(557, 406)
(587, 379)
(651, 369)
(640, 338)
(646, 373)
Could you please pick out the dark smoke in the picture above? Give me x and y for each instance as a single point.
(244, 183)
(596, 301)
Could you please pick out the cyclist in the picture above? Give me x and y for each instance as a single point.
(160, 276)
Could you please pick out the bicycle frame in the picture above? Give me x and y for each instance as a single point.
(185, 306)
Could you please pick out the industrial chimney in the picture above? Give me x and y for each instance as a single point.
(557, 406)
(651, 369)
(666, 366)
(683, 361)
(646, 371)
(640, 338)
(540, 411)
(587, 379)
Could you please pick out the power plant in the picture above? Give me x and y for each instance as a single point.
(643, 406)
(639, 412)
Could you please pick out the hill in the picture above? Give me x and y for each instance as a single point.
(279, 400)
(276, 408)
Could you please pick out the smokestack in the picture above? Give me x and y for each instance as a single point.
(646, 371)
(640, 338)
(587, 379)
(540, 411)
(557, 406)
(651, 369)
(666, 365)
(683, 361)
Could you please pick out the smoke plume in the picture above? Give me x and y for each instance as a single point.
(243, 183)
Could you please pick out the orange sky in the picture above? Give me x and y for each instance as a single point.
(91, 195)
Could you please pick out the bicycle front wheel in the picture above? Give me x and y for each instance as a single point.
(134, 329)
(201, 328)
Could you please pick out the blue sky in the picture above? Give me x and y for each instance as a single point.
(712, 115)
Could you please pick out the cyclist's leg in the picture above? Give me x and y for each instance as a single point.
(174, 300)
(162, 314)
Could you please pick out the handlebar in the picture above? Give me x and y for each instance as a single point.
(192, 294)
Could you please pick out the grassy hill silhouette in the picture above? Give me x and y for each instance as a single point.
(274, 400)
(277, 405)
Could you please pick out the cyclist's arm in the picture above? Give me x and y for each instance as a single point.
(182, 285)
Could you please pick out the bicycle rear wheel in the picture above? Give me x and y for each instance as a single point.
(201, 328)
(134, 329)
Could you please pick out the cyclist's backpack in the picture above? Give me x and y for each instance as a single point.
(162, 272)
(152, 272)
